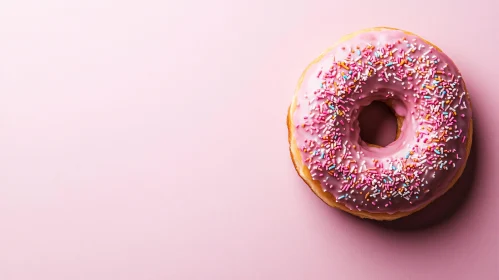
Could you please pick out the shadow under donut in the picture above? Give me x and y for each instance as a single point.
(378, 126)
(446, 206)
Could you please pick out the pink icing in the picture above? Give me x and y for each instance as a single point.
(422, 84)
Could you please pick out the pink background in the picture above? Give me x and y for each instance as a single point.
(147, 140)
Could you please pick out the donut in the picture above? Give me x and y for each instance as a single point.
(428, 96)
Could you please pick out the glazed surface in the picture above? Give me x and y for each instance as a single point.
(421, 84)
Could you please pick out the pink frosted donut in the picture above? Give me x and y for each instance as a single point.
(428, 96)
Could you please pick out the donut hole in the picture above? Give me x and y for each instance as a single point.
(378, 124)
